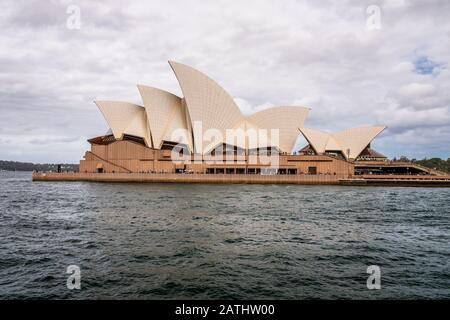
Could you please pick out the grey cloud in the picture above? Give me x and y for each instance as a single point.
(36, 14)
(51, 140)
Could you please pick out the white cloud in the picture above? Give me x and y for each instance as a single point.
(417, 90)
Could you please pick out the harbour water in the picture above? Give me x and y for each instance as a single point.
(169, 241)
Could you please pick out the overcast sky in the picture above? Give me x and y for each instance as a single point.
(325, 55)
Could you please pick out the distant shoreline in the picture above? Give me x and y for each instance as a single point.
(12, 166)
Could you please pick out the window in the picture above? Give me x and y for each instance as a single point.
(312, 170)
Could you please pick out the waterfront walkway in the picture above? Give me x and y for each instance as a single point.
(386, 180)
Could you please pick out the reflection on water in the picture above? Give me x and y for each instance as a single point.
(221, 241)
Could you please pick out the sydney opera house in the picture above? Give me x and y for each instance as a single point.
(205, 132)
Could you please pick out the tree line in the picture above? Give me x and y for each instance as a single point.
(28, 166)
(436, 163)
(432, 163)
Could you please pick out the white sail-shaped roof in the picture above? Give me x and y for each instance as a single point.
(165, 114)
(244, 135)
(332, 144)
(285, 119)
(316, 138)
(167, 117)
(177, 129)
(350, 142)
(355, 140)
(207, 102)
(125, 118)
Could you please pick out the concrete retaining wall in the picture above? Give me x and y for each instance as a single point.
(414, 181)
(190, 178)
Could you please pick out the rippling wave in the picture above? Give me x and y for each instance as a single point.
(169, 241)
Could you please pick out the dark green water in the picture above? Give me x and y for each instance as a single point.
(166, 241)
